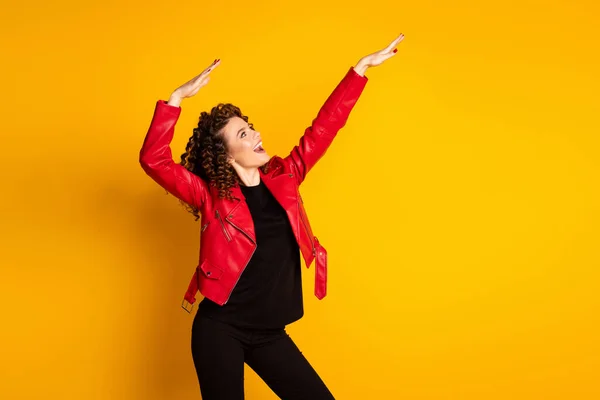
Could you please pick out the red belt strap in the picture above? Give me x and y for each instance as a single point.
(190, 294)
(320, 270)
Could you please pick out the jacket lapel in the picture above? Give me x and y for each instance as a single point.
(283, 188)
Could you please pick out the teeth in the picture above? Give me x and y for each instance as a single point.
(258, 145)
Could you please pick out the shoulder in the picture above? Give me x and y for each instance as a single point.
(277, 165)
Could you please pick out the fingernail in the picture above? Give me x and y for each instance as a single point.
(395, 50)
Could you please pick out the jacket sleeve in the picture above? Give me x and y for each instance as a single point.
(331, 118)
(156, 159)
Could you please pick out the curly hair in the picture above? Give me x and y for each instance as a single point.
(206, 152)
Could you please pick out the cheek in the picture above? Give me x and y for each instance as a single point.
(245, 147)
(241, 149)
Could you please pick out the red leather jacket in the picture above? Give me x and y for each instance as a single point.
(227, 240)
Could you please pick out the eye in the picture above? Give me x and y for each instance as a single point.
(243, 134)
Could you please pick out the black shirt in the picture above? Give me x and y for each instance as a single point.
(269, 291)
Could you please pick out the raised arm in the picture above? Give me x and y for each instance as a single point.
(334, 113)
(155, 155)
(157, 162)
(330, 119)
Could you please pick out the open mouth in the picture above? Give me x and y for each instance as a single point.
(258, 148)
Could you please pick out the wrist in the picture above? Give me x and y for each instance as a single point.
(175, 100)
(361, 67)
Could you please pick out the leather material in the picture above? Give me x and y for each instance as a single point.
(228, 240)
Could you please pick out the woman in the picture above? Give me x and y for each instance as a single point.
(254, 229)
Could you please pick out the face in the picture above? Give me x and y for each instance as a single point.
(244, 145)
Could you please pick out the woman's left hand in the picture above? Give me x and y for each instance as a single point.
(378, 57)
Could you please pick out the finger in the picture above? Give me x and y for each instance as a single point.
(202, 81)
(207, 70)
(212, 66)
(394, 43)
(202, 75)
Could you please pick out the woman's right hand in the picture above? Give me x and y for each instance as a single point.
(192, 86)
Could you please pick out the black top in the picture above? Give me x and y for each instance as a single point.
(269, 291)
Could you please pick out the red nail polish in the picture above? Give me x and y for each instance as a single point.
(395, 50)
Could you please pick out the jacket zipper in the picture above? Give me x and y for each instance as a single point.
(306, 228)
(223, 226)
(247, 262)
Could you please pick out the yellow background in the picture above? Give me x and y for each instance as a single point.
(459, 206)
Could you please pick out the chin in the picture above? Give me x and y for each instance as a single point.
(263, 162)
(258, 160)
(264, 157)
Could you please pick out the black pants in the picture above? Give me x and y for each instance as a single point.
(219, 351)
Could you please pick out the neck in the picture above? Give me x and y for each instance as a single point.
(249, 177)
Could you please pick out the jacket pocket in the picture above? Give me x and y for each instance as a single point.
(210, 271)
